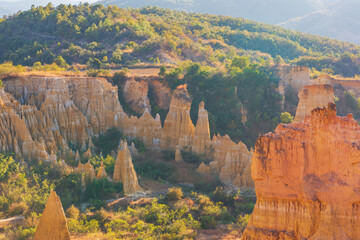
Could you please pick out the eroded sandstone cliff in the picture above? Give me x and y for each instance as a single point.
(178, 128)
(41, 116)
(136, 95)
(307, 180)
(312, 97)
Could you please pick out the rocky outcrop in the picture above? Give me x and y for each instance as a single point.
(202, 141)
(102, 172)
(307, 180)
(204, 169)
(124, 170)
(136, 95)
(145, 128)
(178, 127)
(40, 117)
(15, 135)
(87, 169)
(312, 97)
(52, 223)
(161, 94)
(295, 76)
(230, 160)
(178, 156)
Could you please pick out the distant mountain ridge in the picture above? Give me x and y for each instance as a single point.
(272, 12)
(337, 20)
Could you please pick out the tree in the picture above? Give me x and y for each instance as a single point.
(117, 56)
(162, 72)
(286, 118)
(240, 62)
(279, 60)
(96, 63)
(60, 61)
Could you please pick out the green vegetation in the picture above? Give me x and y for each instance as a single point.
(105, 37)
(286, 118)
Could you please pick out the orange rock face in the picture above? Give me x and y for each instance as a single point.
(231, 161)
(124, 170)
(202, 139)
(312, 97)
(307, 180)
(136, 95)
(178, 127)
(87, 169)
(52, 223)
(102, 172)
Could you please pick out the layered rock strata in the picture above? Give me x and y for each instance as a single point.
(52, 223)
(312, 97)
(307, 180)
(124, 170)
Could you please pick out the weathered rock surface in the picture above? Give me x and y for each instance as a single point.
(202, 141)
(44, 115)
(124, 170)
(162, 94)
(312, 97)
(178, 127)
(136, 95)
(87, 169)
(307, 180)
(231, 160)
(52, 225)
(295, 76)
(102, 172)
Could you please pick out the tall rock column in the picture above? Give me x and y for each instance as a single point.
(307, 178)
(202, 139)
(178, 127)
(52, 223)
(312, 97)
(124, 170)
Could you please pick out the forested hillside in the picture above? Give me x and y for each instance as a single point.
(98, 35)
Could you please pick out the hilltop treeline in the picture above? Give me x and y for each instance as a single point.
(110, 36)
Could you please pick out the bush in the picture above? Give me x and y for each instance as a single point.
(83, 226)
(154, 170)
(73, 212)
(190, 157)
(18, 208)
(286, 118)
(174, 194)
(108, 141)
(101, 189)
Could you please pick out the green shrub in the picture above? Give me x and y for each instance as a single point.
(73, 212)
(83, 226)
(101, 189)
(174, 194)
(154, 170)
(108, 141)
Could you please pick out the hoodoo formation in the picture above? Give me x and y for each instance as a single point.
(124, 170)
(307, 178)
(41, 115)
(312, 97)
(202, 139)
(178, 128)
(52, 225)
